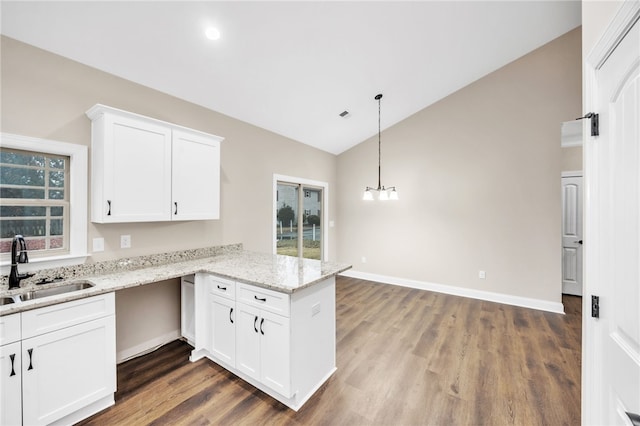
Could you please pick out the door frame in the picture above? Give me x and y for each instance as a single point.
(325, 206)
(592, 355)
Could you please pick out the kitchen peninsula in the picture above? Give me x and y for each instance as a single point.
(269, 319)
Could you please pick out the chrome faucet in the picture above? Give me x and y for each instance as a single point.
(18, 255)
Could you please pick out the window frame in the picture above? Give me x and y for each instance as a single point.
(78, 208)
(297, 181)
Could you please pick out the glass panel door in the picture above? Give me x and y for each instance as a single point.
(287, 219)
(299, 220)
(312, 219)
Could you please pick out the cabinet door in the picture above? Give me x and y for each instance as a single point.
(275, 365)
(248, 340)
(223, 329)
(10, 384)
(68, 369)
(196, 177)
(137, 171)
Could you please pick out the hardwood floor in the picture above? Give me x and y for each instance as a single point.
(404, 357)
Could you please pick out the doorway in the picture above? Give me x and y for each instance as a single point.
(300, 217)
(572, 240)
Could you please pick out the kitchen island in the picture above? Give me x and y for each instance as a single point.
(273, 325)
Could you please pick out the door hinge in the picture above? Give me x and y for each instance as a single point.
(595, 122)
(595, 306)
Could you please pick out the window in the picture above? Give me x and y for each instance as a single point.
(34, 197)
(43, 196)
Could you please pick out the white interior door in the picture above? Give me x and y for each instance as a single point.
(572, 235)
(611, 363)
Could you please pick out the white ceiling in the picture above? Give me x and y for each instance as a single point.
(293, 67)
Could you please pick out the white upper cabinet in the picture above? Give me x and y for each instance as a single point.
(196, 176)
(147, 170)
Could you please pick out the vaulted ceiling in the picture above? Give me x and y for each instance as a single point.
(293, 67)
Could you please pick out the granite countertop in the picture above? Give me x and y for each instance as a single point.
(280, 273)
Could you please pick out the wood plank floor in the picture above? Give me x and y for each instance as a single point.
(405, 357)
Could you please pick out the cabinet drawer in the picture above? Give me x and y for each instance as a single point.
(50, 318)
(9, 329)
(222, 287)
(263, 298)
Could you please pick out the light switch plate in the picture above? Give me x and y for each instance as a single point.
(98, 244)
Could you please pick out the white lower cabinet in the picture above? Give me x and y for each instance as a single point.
(263, 347)
(65, 364)
(284, 344)
(11, 384)
(66, 370)
(187, 311)
(223, 329)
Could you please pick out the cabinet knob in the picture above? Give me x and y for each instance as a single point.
(109, 207)
(255, 321)
(176, 211)
(230, 317)
(261, 324)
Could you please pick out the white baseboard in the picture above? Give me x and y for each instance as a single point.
(525, 302)
(146, 347)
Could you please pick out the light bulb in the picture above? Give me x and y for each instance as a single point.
(367, 196)
(212, 33)
(383, 195)
(393, 195)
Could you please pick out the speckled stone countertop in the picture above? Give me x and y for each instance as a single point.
(280, 273)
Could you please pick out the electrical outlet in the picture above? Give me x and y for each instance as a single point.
(98, 244)
(125, 241)
(482, 275)
(364, 259)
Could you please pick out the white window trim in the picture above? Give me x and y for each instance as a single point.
(325, 205)
(78, 173)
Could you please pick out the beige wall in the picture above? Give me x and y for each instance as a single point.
(479, 181)
(46, 96)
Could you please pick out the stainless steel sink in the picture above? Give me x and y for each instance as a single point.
(62, 289)
(6, 300)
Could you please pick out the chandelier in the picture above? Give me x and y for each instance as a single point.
(384, 194)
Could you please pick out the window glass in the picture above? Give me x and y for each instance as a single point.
(34, 200)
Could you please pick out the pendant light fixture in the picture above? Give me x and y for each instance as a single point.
(384, 194)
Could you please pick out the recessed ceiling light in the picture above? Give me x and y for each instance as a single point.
(212, 33)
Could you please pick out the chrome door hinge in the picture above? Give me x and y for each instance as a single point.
(595, 306)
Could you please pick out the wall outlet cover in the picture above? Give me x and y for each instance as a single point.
(125, 241)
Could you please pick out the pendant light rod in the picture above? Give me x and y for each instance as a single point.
(377, 98)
